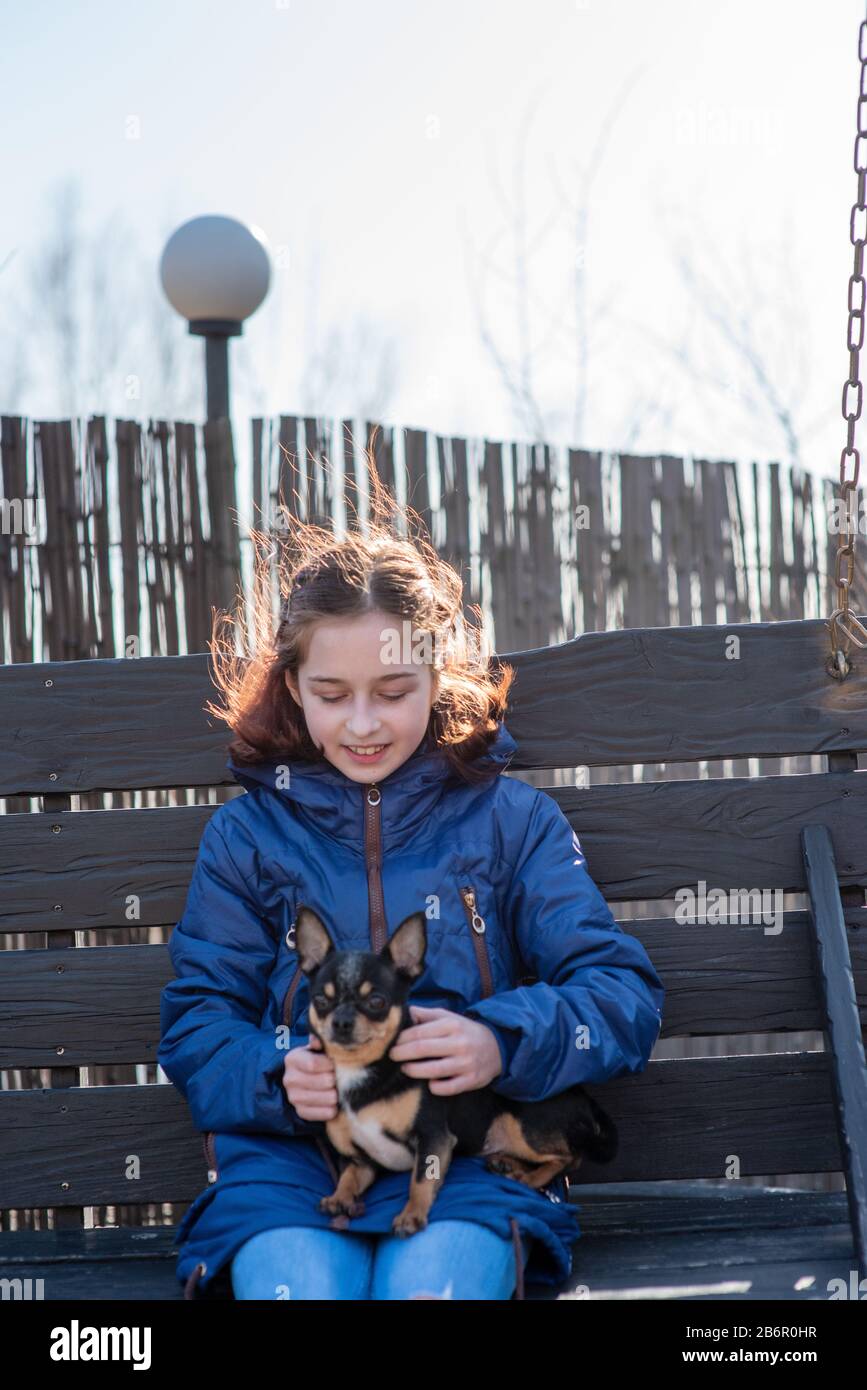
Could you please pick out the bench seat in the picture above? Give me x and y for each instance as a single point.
(687, 1240)
(678, 1240)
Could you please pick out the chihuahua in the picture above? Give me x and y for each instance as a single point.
(388, 1120)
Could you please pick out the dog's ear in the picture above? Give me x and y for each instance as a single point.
(312, 941)
(407, 945)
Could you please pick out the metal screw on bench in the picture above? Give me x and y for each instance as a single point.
(842, 617)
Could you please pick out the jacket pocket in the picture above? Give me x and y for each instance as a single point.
(478, 929)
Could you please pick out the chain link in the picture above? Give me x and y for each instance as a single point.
(842, 617)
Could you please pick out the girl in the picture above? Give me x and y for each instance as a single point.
(369, 734)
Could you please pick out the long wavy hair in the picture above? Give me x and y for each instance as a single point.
(322, 576)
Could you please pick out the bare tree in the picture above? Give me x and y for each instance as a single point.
(351, 364)
(570, 336)
(110, 306)
(54, 278)
(78, 305)
(90, 302)
(354, 366)
(744, 351)
(348, 366)
(15, 372)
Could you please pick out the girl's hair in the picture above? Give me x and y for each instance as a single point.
(322, 576)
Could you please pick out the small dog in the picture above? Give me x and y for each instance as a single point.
(388, 1120)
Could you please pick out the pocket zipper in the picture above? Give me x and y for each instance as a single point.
(478, 928)
(290, 993)
(211, 1155)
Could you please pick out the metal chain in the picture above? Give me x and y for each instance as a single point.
(842, 617)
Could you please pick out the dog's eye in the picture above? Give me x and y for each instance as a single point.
(321, 1001)
(376, 1001)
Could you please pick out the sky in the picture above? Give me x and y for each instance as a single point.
(397, 155)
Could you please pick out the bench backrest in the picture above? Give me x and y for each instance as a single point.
(660, 695)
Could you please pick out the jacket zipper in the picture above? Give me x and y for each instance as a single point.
(373, 860)
(478, 928)
(373, 857)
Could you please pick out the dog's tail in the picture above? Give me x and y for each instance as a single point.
(601, 1147)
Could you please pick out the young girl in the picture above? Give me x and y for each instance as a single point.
(369, 734)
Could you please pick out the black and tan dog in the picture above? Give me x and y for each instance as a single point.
(388, 1120)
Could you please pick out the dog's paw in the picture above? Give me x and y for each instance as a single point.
(332, 1203)
(338, 1207)
(407, 1222)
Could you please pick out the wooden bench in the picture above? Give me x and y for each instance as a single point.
(651, 1221)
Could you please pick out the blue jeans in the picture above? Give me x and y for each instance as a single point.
(448, 1259)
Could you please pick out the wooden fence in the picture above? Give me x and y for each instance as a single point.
(134, 537)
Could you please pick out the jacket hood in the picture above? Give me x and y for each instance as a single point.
(335, 801)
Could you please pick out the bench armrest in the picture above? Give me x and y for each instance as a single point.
(833, 964)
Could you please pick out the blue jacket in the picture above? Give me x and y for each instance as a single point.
(366, 856)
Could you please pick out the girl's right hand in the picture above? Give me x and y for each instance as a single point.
(310, 1081)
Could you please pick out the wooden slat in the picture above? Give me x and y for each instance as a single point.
(16, 574)
(589, 539)
(103, 1006)
(100, 1004)
(98, 461)
(678, 1119)
(72, 1147)
(86, 873)
(735, 979)
(642, 841)
(675, 1241)
(139, 1267)
(687, 1118)
(647, 840)
(604, 698)
(672, 695)
(415, 446)
(111, 724)
(691, 1241)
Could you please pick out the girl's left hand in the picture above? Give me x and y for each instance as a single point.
(465, 1055)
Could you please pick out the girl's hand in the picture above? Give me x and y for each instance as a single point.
(465, 1055)
(310, 1082)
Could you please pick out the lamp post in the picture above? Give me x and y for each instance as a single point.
(216, 272)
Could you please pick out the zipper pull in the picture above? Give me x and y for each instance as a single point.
(477, 922)
(373, 801)
(290, 936)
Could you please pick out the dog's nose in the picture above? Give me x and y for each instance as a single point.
(343, 1024)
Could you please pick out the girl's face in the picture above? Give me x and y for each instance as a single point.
(355, 694)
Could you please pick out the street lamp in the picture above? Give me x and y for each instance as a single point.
(216, 272)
